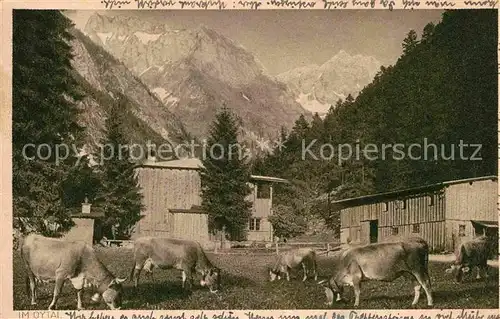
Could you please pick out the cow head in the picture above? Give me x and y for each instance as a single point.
(275, 273)
(331, 289)
(457, 271)
(211, 279)
(112, 296)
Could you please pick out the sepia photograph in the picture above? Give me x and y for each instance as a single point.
(265, 159)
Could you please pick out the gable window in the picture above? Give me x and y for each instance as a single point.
(395, 230)
(416, 228)
(263, 190)
(461, 230)
(254, 224)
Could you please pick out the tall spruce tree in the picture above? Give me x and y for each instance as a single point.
(44, 118)
(120, 197)
(225, 177)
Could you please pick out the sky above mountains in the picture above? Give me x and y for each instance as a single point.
(287, 39)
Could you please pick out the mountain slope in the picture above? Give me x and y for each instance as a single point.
(104, 79)
(316, 87)
(195, 72)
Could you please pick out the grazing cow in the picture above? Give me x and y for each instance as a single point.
(470, 254)
(50, 259)
(166, 253)
(382, 262)
(287, 261)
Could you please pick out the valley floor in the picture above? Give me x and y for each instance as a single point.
(245, 287)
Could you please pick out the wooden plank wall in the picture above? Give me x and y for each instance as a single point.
(190, 226)
(262, 208)
(426, 210)
(264, 234)
(82, 231)
(433, 232)
(453, 238)
(165, 189)
(477, 201)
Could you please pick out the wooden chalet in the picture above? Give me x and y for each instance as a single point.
(172, 199)
(443, 214)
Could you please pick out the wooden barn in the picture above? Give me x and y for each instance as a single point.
(172, 200)
(443, 214)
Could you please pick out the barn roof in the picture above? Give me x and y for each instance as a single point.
(195, 164)
(486, 223)
(406, 192)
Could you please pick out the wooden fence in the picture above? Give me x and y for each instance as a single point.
(321, 248)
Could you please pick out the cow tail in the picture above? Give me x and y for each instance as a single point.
(425, 252)
(426, 260)
(28, 288)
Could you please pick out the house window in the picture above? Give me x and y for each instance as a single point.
(254, 224)
(431, 202)
(395, 230)
(416, 228)
(403, 204)
(461, 230)
(263, 190)
(386, 206)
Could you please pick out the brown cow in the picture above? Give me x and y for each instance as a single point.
(382, 262)
(166, 253)
(287, 261)
(469, 254)
(50, 259)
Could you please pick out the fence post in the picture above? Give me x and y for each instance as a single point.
(327, 249)
(277, 250)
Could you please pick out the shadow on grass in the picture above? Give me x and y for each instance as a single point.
(452, 295)
(153, 293)
(232, 280)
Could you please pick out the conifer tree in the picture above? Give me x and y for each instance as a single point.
(120, 197)
(224, 178)
(410, 42)
(44, 117)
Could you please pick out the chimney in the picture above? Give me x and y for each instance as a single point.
(151, 156)
(86, 206)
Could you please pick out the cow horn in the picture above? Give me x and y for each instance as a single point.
(120, 280)
(322, 282)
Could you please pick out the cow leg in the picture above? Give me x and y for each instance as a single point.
(424, 281)
(315, 269)
(356, 285)
(459, 275)
(287, 272)
(57, 290)
(485, 271)
(32, 286)
(187, 279)
(184, 277)
(136, 273)
(417, 289)
(79, 294)
(305, 272)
